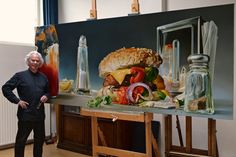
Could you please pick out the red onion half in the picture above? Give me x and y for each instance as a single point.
(131, 89)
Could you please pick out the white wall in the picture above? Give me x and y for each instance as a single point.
(12, 59)
(183, 4)
(78, 10)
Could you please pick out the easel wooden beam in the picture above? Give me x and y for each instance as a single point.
(118, 152)
(188, 134)
(212, 142)
(138, 117)
(135, 7)
(178, 127)
(155, 147)
(93, 11)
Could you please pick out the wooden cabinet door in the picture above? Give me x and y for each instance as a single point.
(74, 132)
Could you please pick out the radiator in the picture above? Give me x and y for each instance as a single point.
(8, 121)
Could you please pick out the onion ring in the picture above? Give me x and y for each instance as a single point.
(131, 89)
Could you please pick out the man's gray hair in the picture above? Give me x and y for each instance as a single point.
(27, 57)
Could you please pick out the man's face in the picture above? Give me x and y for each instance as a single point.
(34, 63)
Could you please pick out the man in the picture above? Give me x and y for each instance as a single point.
(33, 91)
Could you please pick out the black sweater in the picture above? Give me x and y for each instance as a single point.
(30, 88)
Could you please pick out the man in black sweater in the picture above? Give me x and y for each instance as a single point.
(33, 91)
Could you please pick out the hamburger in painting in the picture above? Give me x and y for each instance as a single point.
(131, 76)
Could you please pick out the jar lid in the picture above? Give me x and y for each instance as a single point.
(198, 58)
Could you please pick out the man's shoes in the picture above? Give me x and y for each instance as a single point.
(51, 140)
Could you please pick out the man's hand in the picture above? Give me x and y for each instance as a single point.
(23, 104)
(43, 99)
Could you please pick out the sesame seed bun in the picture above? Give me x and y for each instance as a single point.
(127, 57)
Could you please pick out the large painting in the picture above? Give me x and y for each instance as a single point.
(107, 35)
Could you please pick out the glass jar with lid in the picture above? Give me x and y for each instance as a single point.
(198, 91)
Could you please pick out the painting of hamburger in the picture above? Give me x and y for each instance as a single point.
(131, 76)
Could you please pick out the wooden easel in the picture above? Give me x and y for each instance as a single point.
(187, 150)
(135, 7)
(136, 117)
(93, 10)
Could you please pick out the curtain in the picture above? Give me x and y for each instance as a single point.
(50, 12)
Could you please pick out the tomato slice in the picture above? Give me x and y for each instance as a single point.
(122, 98)
(138, 74)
